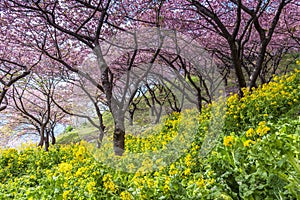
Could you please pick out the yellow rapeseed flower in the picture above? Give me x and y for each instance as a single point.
(32, 176)
(65, 194)
(110, 186)
(125, 196)
(211, 181)
(247, 143)
(106, 177)
(188, 160)
(150, 182)
(261, 131)
(108, 183)
(173, 170)
(79, 155)
(80, 171)
(200, 182)
(263, 123)
(91, 186)
(187, 171)
(167, 185)
(250, 132)
(64, 167)
(228, 141)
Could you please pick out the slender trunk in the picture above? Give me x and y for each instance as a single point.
(46, 139)
(198, 89)
(119, 141)
(131, 114)
(119, 134)
(225, 81)
(199, 101)
(237, 67)
(53, 139)
(42, 138)
(106, 79)
(258, 66)
(158, 114)
(153, 110)
(101, 136)
(47, 144)
(101, 127)
(132, 111)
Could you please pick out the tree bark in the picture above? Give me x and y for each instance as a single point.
(100, 136)
(42, 138)
(47, 142)
(237, 66)
(46, 139)
(119, 134)
(53, 139)
(259, 65)
(101, 126)
(131, 114)
(158, 114)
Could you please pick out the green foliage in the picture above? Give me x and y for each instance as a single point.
(69, 129)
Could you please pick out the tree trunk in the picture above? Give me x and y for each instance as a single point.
(46, 139)
(158, 114)
(258, 66)
(131, 114)
(152, 111)
(119, 134)
(100, 137)
(236, 60)
(199, 101)
(225, 81)
(53, 139)
(42, 138)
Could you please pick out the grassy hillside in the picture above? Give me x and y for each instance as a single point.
(244, 148)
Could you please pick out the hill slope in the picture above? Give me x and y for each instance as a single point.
(244, 148)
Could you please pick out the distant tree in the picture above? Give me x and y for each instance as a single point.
(79, 99)
(33, 109)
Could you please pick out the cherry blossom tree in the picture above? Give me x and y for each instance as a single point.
(78, 98)
(245, 36)
(33, 107)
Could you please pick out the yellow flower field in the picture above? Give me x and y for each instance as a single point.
(256, 159)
